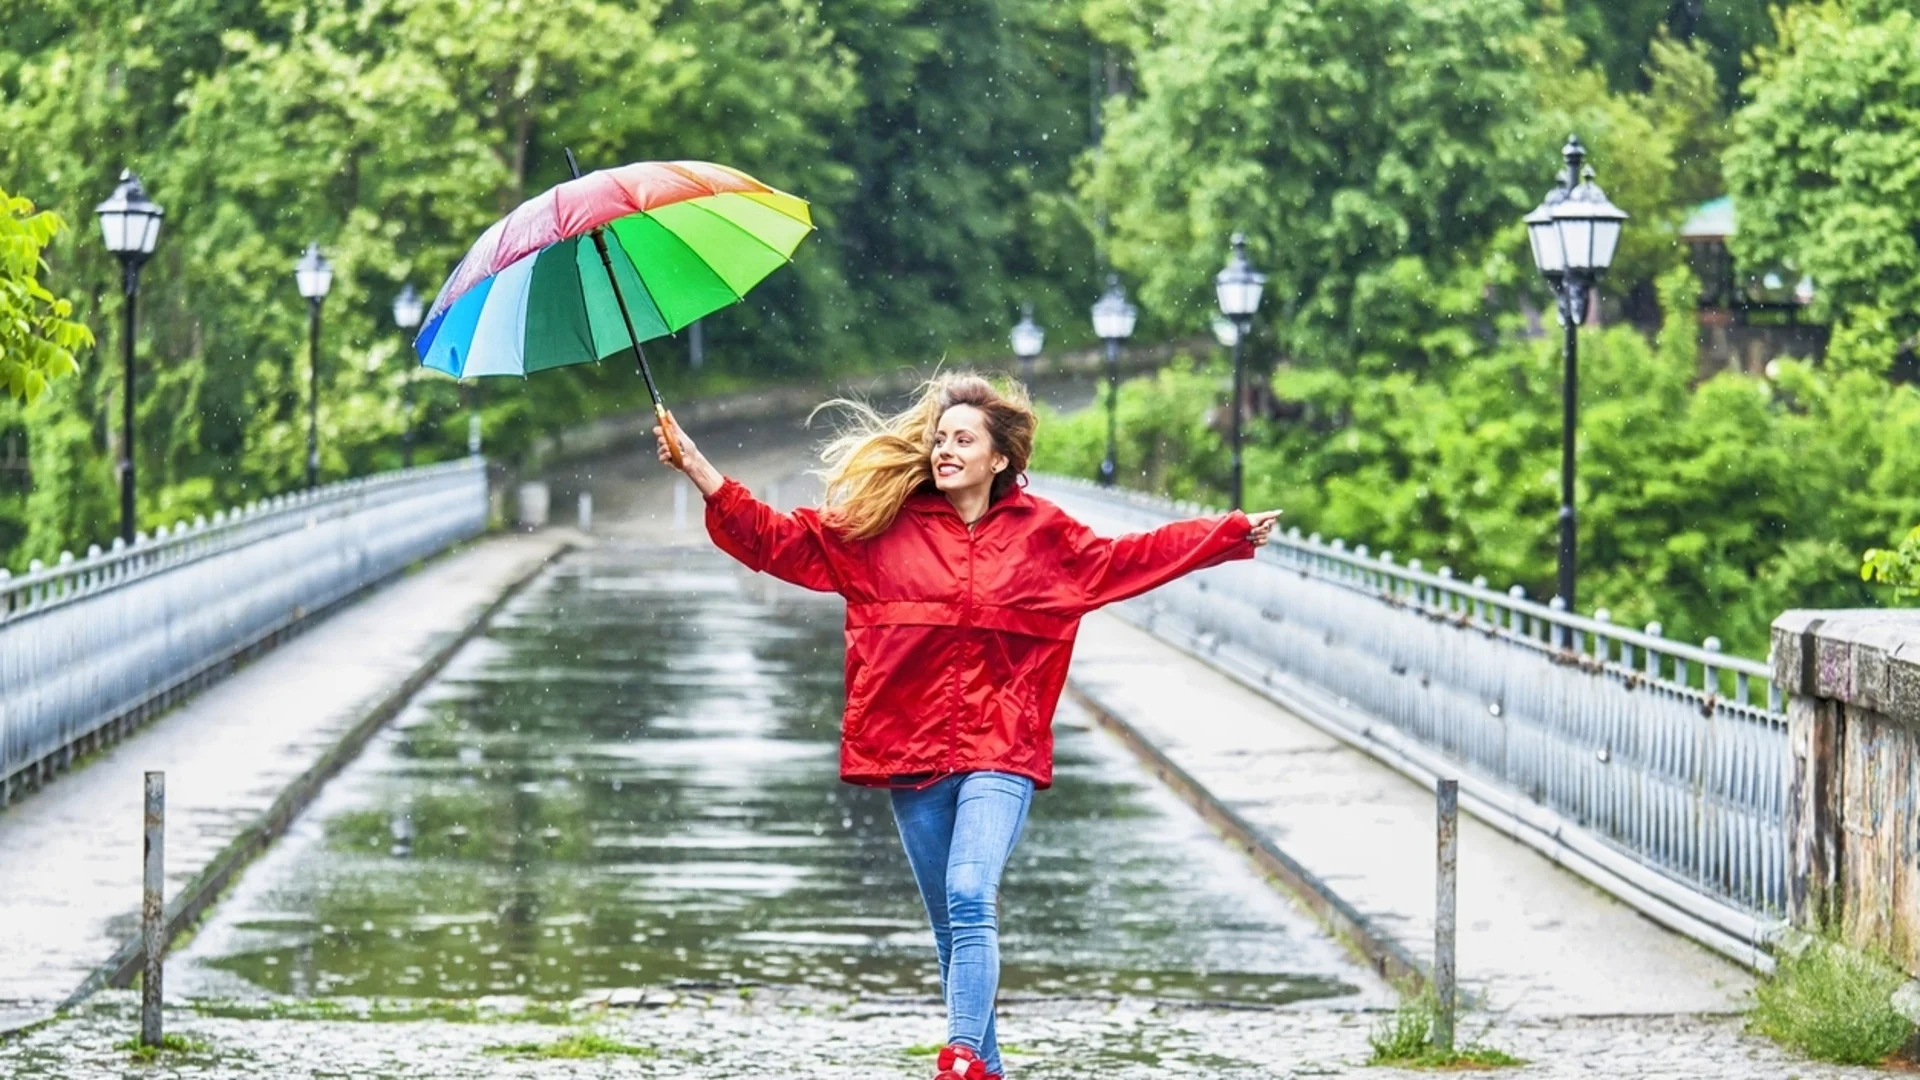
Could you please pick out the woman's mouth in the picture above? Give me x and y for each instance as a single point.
(947, 468)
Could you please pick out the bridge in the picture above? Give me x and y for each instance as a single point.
(418, 767)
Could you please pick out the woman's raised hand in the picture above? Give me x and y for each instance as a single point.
(692, 461)
(1263, 524)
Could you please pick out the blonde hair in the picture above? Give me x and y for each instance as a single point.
(875, 461)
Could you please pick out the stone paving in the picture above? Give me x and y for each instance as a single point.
(801, 1035)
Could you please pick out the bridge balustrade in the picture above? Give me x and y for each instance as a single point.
(92, 645)
(1654, 768)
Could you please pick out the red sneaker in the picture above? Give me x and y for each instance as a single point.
(959, 1062)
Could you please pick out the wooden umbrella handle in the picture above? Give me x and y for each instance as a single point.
(666, 428)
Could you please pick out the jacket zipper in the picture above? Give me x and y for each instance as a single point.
(959, 677)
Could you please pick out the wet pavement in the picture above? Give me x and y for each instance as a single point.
(629, 781)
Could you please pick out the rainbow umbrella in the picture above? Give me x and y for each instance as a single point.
(592, 267)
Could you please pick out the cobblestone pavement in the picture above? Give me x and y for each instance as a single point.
(802, 1035)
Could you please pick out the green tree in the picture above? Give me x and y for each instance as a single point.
(38, 335)
(1822, 169)
(1367, 148)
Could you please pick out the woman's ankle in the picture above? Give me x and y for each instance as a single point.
(958, 1061)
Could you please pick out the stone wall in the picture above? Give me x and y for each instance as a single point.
(1853, 716)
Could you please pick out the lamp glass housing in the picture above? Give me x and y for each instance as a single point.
(1238, 286)
(1589, 226)
(407, 308)
(313, 273)
(1027, 338)
(129, 221)
(1113, 316)
(1544, 236)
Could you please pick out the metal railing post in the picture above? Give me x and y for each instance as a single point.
(1448, 799)
(152, 907)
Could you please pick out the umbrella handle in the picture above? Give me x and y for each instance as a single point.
(666, 429)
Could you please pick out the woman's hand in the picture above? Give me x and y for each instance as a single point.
(1263, 524)
(692, 461)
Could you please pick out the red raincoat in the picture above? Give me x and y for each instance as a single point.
(958, 639)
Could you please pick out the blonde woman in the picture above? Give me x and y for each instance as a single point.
(964, 593)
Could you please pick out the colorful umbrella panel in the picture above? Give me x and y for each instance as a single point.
(684, 238)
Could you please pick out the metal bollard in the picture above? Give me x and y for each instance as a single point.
(679, 506)
(1448, 793)
(585, 519)
(152, 897)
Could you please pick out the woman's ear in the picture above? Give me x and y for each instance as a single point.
(999, 463)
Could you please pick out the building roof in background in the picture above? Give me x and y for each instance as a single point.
(1711, 220)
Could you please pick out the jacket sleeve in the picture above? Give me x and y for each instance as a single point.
(788, 546)
(1111, 570)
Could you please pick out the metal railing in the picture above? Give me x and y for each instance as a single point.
(92, 645)
(1655, 768)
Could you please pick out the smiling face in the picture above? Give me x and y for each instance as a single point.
(963, 453)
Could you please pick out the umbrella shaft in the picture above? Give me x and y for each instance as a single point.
(606, 260)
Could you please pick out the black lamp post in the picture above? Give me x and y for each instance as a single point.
(1238, 289)
(130, 223)
(1028, 339)
(314, 274)
(1573, 233)
(407, 310)
(1113, 320)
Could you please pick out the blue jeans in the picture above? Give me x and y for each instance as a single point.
(958, 833)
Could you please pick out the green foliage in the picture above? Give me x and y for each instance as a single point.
(1898, 566)
(1621, 34)
(1404, 1038)
(38, 335)
(1821, 168)
(935, 144)
(1832, 1002)
(170, 1043)
(1709, 508)
(583, 1044)
(1365, 146)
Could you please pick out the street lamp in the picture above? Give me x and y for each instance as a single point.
(1028, 338)
(1573, 233)
(1238, 290)
(407, 310)
(314, 274)
(130, 222)
(1113, 321)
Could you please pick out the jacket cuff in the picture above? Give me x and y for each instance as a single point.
(729, 492)
(1239, 525)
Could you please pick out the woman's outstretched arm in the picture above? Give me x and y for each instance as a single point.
(1111, 570)
(762, 538)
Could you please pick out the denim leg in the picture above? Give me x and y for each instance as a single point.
(990, 811)
(925, 819)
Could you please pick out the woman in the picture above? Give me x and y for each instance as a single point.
(963, 596)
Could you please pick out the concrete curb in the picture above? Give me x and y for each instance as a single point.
(194, 898)
(1382, 952)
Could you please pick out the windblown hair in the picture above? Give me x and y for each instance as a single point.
(876, 461)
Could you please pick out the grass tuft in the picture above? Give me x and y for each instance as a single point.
(1405, 1039)
(170, 1043)
(1832, 1002)
(584, 1044)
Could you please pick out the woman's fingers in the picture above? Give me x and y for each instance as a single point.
(660, 446)
(1262, 526)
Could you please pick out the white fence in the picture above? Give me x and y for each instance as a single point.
(93, 645)
(1656, 769)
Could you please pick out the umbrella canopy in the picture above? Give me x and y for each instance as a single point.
(683, 239)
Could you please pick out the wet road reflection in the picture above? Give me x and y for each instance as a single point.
(630, 781)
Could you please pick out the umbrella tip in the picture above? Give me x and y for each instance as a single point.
(572, 163)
